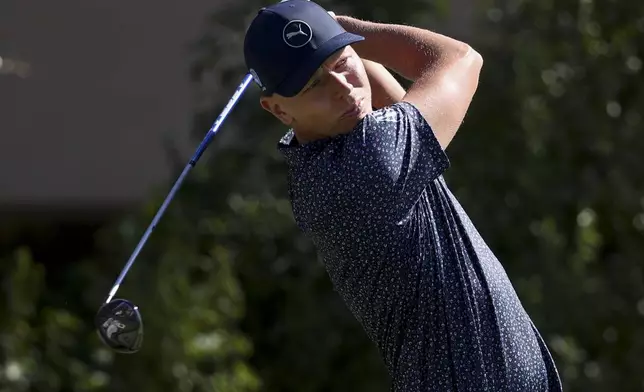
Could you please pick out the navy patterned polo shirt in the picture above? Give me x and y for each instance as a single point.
(409, 263)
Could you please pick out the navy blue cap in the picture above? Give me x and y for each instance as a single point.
(287, 42)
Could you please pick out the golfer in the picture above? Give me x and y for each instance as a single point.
(366, 162)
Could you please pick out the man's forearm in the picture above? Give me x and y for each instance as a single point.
(409, 51)
(385, 89)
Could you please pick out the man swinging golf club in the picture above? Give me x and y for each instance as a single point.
(366, 160)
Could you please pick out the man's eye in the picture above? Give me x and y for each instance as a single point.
(341, 63)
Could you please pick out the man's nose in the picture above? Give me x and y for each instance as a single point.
(341, 86)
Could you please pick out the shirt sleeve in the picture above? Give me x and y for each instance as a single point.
(380, 169)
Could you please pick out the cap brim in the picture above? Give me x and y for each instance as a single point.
(296, 81)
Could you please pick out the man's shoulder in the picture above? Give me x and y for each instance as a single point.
(395, 112)
(325, 159)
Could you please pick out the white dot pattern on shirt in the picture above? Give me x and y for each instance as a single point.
(408, 261)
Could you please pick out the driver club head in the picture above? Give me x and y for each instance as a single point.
(120, 326)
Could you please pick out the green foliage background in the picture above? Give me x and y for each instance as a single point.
(549, 164)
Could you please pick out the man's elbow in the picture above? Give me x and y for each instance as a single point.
(470, 57)
(475, 58)
(469, 65)
(463, 60)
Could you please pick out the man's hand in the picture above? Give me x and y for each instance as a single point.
(385, 89)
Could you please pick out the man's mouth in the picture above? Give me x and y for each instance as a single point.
(354, 110)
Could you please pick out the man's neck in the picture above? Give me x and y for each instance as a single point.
(304, 136)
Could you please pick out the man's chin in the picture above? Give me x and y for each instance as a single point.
(347, 124)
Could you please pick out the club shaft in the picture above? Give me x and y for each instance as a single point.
(193, 161)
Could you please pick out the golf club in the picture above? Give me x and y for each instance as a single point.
(119, 322)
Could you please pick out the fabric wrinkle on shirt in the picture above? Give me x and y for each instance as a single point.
(409, 263)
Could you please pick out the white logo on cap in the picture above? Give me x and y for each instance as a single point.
(297, 33)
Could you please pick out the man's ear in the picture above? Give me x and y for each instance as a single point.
(271, 105)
